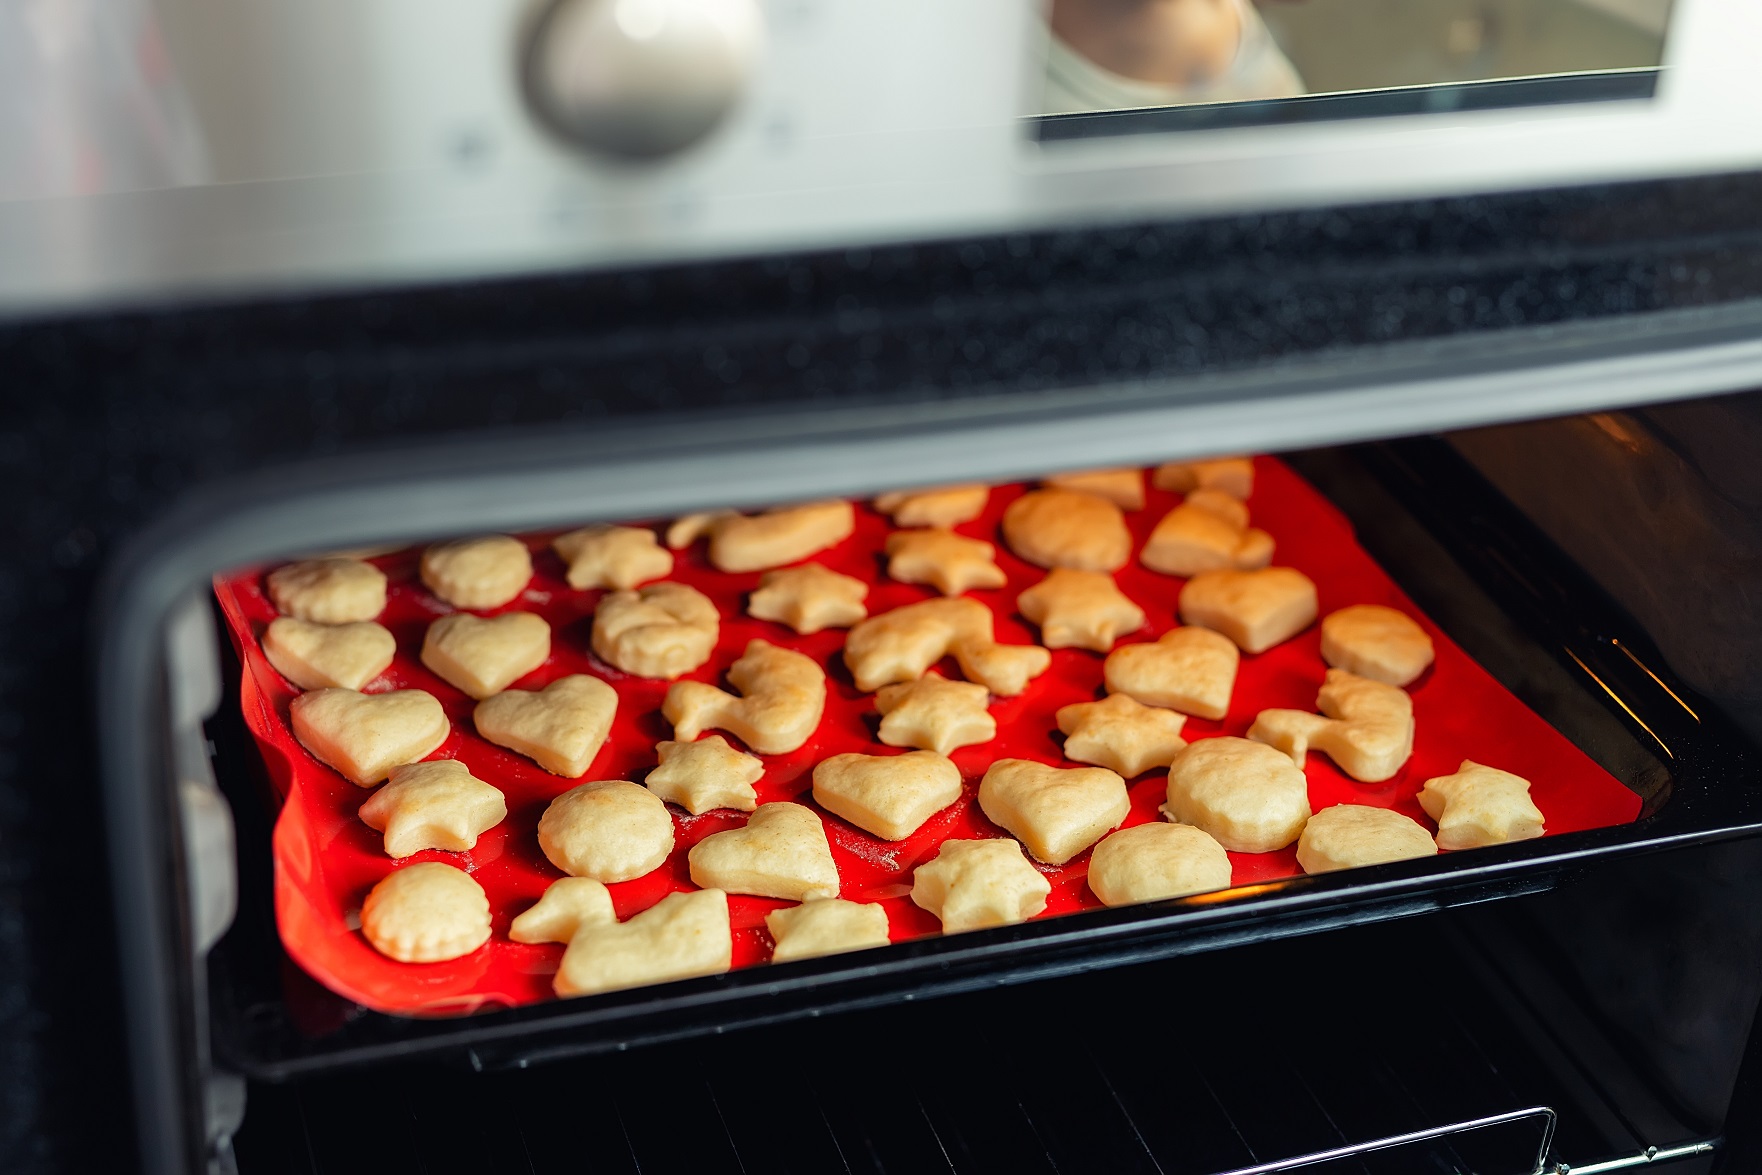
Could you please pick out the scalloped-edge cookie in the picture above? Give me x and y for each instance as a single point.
(889, 796)
(328, 591)
(783, 695)
(434, 805)
(682, 936)
(1156, 861)
(976, 884)
(328, 656)
(426, 913)
(1057, 812)
(478, 573)
(826, 926)
(663, 630)
(781, 852)
(364, 736)
(1248, 796)
(609, 830)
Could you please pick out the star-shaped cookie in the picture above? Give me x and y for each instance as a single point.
(438, 805)
(1121, 734)
(949, 562)
(1081, 609)
(706, 774)
(935, 714)
(809, 598)
(612, 556)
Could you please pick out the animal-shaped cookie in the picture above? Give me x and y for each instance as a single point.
(1376, 642)
(561, 727)
(365, 735)
(949, 562)
(740, 542)
(1005, 670)
(889, 796)
(617, 557)
(1156, 861)
(975, 884)
(1121, 734)
(478, 573)
(1347, 836)
(825, 926)
(1057, 812)
(1080, 609)
(679, 937)
(901, 644)
(1364, 726)
(662, 630)
(809, 598)
(1207, 532)
(1256, 609)
(1248, 796)
(328, 591)
(943, 506)
(609, 830)
(436, 805)
(935, 714)
(1192, 670)
(781, 852)
(328, 656)
(783, 695)
(706, 774)
(1480, 805)
(426, 913)
(1230, 475)
(1063, 528)
(1123, 487)
(568, 904)
(483, 656)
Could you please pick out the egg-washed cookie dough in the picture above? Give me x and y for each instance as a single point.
(901, 644)
(662, 630)
(935, 714)
(1256, 609)
(975, 884)
(426, 913)
(825, 926)
(949, 562)
(704, 775)
(1347, 836)
(1248, 796)
(1192, 670)
(1123, 487)
(437, 805)
(1156, 861)
(741, 542)
(783, 695)
(1376, 642)
(1057, 812)
(1064, 528)
(1364, 726)
(484, 656)
(561, 727)
(1121, 734)
(364, 736)
(809, 598)
(618, 557)
(1231, 475)
(889, 796)
(478, 573)
(328, 656)
(568, 904)
(609, 830)
(679, 937)
(1479, 806)
(1005, 670)
(941, 506)
(328, 591)
(1207, 532)
(781, 852)
(1080, 609)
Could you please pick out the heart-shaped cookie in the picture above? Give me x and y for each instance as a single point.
(1192, 670)
(328, 656)
(561, 727)
(888, 795)
(1057, 812)
(485, 656)
(365, 735)
(781, 853)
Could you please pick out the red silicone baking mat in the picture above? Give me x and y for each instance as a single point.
(326, 859)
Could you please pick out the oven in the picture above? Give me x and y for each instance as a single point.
(1486, 314)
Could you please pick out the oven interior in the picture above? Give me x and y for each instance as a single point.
(1512, 1036)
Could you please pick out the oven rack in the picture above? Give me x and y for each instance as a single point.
(1378, 1050)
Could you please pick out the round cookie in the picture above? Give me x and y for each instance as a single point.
(1376, 642)
(662, 630)
(1346, 836)
(477, 573)
(1247, 795)
(609, 830)
(328, 591)
(426, 913)
(1155, 861)
(1065, 528)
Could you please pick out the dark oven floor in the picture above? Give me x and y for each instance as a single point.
(1234, 1061)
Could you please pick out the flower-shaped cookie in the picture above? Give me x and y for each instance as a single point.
(1156, 861)
(328, 591)
(483, 656)
(681, 936)
(662, 630)
(618, 557)
(1248, 796)
(781, 852)
(1063, 528)
(935, 714)
(943, 506)
(890, 796)
(975, 884)
(809, 598)
(1121, 734)
(477, 573)
(705, 774)
(1376, 642)
(1056, 811)
(365, 735)
(426, 913)
(438, 805)
(1347, 836)
(1256, 609)
(1080, 609)
(1365, 726)
(1479, 806)
(609, 830)
(949, 562)
(561, 727)
(783, 695)
(901, 644)
(328, 656)
(825, 926)
(1192, 670)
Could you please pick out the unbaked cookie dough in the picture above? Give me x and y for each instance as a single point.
(1121, 734)
(609, 830)
(435, 805)
(1248, 796)
(679, 937)
(1364, 726)
(1376, 642)
(1156, 861)
(975, 884)
(949, 562)
(935, 714)
(568, 904)
(755, 542)
(561, 727)
(365, 735)
(826, 926)
(782, 696)
(1057, 812)
(328, 591)
(484, 656)
(616, 557)
(662, 630)
(809, 598)
(1479, 806)
(426, 913)
(1346, 836)
(889, 796)
(1191, 669)
(704, 775)
(328, 656)
(781, 852)
(478, 573)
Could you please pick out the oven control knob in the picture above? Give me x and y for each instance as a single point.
(639, 79)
